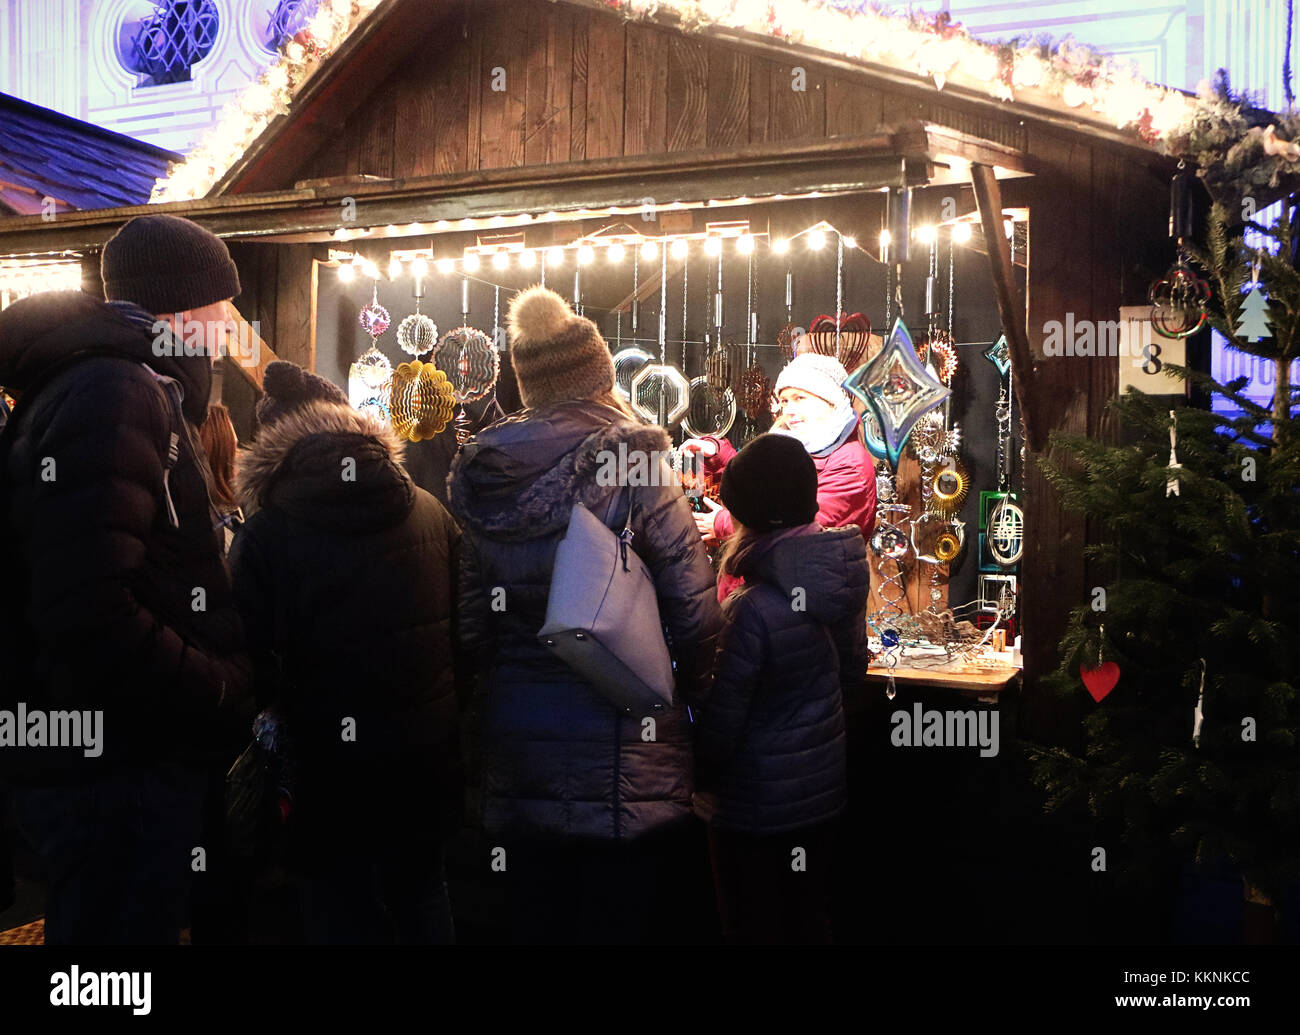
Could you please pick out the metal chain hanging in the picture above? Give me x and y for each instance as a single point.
(686, 266)
(636, 291)
(839, 289)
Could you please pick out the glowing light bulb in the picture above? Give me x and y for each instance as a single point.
(745, 244)
(346, 273)
(850, 242)
(555, 257)
(370, 269)
(445, 265)
(781, 245)
(472, 262)
(927, 235)
(678, 248)
(500, 260)
(817, 240)
(616, 252)
(527, 259)
(885, 238)
(712, 246)
(961, 232)
(394, 268)
(420, 268)
(586, 254)
(649, 250)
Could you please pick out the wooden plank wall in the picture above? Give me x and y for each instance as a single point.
(1097, 232)
(582, 84)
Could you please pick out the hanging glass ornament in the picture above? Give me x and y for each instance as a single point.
(374, 318)
(710, 412)
(787, 342)
(898, 388)
(943, 357)
(368, 378)
(417, 334)
(928, 533)
(719, 364)
(847, 343)
(1181, 301)
(657, 383)
(470, 362)
(999, 354)
(421, 400)
(626, 364)
(755, 393)
(1006, 532)
(948, 489)
(888, 541)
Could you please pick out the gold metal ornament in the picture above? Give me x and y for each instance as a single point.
(422, 400)
(949, 489)
(947, 547)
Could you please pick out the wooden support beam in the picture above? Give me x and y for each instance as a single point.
(253, 372)
(1011, 308)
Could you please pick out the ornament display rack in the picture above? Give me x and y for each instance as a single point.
(500, 256)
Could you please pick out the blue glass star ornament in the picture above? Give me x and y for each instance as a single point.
(898, 389)
(999, 355)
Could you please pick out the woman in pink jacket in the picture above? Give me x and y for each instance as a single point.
(816, 410)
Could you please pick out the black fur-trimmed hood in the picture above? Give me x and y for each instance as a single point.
(330, 465)
(519, 479)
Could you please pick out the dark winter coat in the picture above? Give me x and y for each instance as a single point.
(107, 605)
(556, 758)
(345, 575)
(771, 732)
(429, 462)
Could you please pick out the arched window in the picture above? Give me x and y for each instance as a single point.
(171, 39)
(286, 21)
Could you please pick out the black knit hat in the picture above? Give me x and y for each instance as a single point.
(771, 483)
(287, 386)
(165, 264)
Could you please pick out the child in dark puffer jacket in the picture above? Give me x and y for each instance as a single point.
(770, 735)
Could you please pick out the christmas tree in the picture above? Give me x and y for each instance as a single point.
(1196, 590)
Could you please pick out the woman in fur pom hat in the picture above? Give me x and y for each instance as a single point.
(345, 576)
(586, 803)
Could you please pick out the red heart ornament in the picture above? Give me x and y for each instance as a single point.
(1100, 680)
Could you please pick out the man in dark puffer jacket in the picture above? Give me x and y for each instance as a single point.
(119, 601)
(345, 574)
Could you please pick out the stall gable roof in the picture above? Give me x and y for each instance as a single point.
(78, 164)
(349, 55)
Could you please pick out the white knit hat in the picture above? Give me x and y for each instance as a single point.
(822, 376)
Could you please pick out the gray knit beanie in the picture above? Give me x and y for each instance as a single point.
(165, 264)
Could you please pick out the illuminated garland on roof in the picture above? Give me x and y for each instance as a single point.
(934, 48)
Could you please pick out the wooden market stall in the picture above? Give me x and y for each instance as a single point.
(445, 127)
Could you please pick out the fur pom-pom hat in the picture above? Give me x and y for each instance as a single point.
(286, 386)
(556, 354)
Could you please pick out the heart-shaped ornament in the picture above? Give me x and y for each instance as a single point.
(1100, 680)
